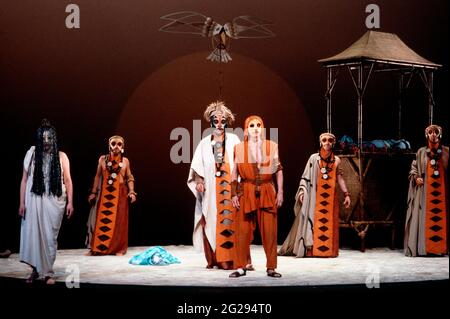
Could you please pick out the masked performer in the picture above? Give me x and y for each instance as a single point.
(45, 193)
(255, 197)
(114, 185)
(315, 231)
(209, 180)
(426, 227)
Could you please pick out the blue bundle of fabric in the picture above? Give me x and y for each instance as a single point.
(347, 145)
(154, 256)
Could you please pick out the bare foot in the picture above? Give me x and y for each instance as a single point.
(120, 253)
(50, 281)
(88, 253)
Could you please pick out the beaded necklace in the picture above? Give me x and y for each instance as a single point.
(219, 154)
(326, 164)
(113, 166)
(434, 155)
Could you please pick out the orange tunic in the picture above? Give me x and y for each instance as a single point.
(257, 202)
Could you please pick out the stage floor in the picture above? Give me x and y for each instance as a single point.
(375, 266)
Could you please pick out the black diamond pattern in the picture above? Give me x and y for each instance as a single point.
(324, 238)
(323, 228)
(435, 184)
(326, 186)
(227, 245)
(436, 201)
(323, 248)
(105, 229)
(436, 228)
(108, 204)
(435, 218)
(105, 220)
(103, 237)
(109, 196)
(110, 188)
(323, 211)
(102, 247)
(435, 193)
(325, 195)
(323, 220)
(436, 238)
(436, 210)
(227, 233)
(324, 203)
(107, 212)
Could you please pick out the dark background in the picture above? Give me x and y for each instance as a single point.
(118, 74)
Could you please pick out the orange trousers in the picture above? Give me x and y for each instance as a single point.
(246, 225)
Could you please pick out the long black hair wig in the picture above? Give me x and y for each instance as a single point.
(38, 187)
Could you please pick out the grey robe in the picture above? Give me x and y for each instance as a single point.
(301, 235)
(414, 240)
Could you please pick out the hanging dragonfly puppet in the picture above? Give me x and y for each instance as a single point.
(241, 27)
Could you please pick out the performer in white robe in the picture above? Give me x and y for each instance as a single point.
(45, 189)
(209, 181)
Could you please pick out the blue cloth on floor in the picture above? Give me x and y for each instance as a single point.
(154, 256)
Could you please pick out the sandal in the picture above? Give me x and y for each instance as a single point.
(34, 275)
(238, 273)
(249, 267)
(273, 273)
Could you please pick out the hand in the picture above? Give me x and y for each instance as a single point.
(235, 202)
(132, 198)
(91, 198)
(200, 187)
(279, 199)
(22, 210)
(347, 201)
(419, 181)
(69, 210)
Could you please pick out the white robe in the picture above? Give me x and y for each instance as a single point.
(203, 164)
(40, 227)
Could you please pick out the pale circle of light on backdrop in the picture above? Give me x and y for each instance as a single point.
(178, 93)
